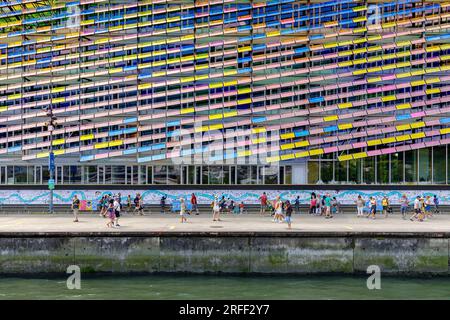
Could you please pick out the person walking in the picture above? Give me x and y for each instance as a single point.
(288, 210)
(416, 209)
(327, 202)
(359, 206)
(297, 205)
(323, 207)
(241, 207)
(404, 204)
(385, 205)
(183, 210)
(119, 199)
(373, 207)
(136, 201)
(117, 209)
(312, 204)
(105, 206)
(222, 204)
(129, 203)
(194, 204)
(141, 206)
(278, 210)
(162, 204)
(231, 206)
(436, 204)
(318, 205)
(75, 207)
(263, 204)
(100, 206)
(111, 215)
(335, 207)
(428, 204)
(216, 209)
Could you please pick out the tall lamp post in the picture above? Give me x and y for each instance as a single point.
(51, 163)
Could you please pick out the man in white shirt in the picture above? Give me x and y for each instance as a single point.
(416, 208)
(116, 205)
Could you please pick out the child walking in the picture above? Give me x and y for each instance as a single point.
(183, 210)
(111, 215)
(288, 209)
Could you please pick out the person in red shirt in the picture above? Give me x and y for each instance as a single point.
(194, 204)
(263, 202)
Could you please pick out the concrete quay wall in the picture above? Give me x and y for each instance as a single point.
(395, 254)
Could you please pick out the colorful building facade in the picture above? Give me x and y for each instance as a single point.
(225, 92)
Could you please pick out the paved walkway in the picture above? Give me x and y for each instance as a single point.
(90, 222)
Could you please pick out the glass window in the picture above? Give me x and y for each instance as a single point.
(101, 175)
(38, 175)
(129, 174)
(205, 175)
(59, 175)
(244, 175)
(397, 167)
(108, 175)
(10, 175)
(215, 175)
(20, 174)
(354, 171)
(90, 174)
(439, 164)
(313, 172)
(281, 175)
(66, 174)
(75, 174)
(268, 174)
(287, 175)
(369, 170)
(226, 175)
(160, 175)
(383, 169)
(135, 174)
(191, 175)
(149, 175)
(198, 175)
(425, 165)
(45, 174)
(341, 171)
(118, 174)
(326, 171)
(174, 175)
(233, 175)
(2, 175)
(30, 174)
(254, 174)
(411, 166)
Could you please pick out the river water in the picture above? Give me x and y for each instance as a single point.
(168, 287)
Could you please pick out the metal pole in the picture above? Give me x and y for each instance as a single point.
(51, 164)
(52, 173)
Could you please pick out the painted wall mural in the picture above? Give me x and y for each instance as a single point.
(34, 197)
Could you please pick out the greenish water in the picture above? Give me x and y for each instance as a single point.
(168, 287)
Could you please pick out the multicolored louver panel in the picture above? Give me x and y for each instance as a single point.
(160, 80)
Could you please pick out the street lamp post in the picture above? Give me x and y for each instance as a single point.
(51, 182)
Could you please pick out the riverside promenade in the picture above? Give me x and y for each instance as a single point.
(241, 224)
(244, 244)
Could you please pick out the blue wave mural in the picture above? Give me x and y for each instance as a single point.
(24, 197)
